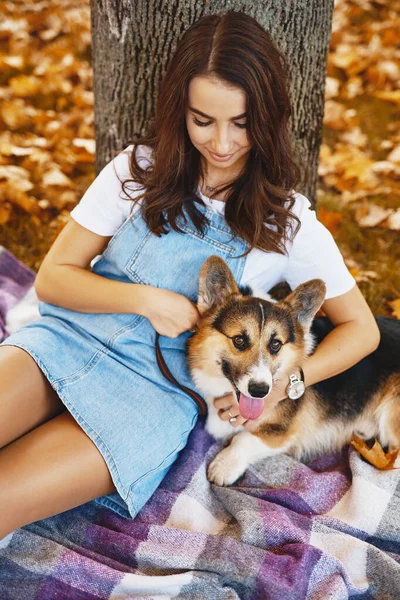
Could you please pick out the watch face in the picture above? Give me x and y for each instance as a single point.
(296, 390)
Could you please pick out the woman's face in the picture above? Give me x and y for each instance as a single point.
(216, 124)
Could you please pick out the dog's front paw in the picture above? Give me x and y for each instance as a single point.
(223, 470)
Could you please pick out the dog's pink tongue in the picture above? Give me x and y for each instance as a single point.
(250, 408)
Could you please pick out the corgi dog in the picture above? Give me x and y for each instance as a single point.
(246, 344)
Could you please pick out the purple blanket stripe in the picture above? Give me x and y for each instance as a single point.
(326, 529)
(15, 281)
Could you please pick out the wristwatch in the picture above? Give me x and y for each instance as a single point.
(296, 387)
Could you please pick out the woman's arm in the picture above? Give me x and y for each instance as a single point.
(354, 336)
(63, 280)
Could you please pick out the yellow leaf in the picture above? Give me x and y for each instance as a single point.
(396, 308)
(392, 96)
(24, 86)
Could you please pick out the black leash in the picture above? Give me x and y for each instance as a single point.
(202, 406)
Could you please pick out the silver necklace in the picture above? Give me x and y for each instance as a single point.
(209, 188)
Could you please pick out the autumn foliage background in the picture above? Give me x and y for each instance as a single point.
(47, 143)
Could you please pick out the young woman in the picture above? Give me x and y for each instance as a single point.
(85, 412)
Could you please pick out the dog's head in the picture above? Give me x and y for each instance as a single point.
(248, 341)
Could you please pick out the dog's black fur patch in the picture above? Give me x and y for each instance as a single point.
(346, 394)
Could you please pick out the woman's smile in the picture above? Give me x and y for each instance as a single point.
(220, 158)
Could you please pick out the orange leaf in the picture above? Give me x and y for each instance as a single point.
(5, 212)
(396, 308)
(375, 455)
(330, 219)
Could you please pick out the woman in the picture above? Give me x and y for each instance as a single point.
(215, 174)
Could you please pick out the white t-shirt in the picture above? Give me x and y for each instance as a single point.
(313, 253)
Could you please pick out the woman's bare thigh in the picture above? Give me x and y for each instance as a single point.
(49, 470)
(26, 397)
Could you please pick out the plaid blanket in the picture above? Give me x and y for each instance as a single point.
(328, 529)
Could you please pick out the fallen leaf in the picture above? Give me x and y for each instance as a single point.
(375, 455)
(355, 137)
(392, 96)
(394, 156)
(358, 168)
(386, 167)
(17, 176)
(88, 145)
(16, 196)
(24, 86)
(332, 86)
(371, 215)
(334, 115)
(393, 221)
(360, 275)
(352, 88)
(395, 304)
(55, 176)
(5, 212)
(348, 196)
(330, 219)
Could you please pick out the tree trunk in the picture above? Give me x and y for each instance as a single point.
(133, 41)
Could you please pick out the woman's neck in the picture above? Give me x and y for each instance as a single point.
(216, 178)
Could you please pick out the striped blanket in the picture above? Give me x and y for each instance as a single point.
(326, 529)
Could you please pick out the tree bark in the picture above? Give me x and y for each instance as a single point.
(133, 41)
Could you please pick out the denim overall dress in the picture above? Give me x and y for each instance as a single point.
(103, 366)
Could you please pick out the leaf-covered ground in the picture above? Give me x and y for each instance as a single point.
(47, 134)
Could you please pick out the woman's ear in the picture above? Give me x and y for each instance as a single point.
(216, 284)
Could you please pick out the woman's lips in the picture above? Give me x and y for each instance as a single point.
(220, 158)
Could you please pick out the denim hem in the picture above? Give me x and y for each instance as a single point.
(113, 505)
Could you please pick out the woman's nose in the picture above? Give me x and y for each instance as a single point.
(222, 141)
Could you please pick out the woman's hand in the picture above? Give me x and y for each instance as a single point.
(170, 313)
(228, 408)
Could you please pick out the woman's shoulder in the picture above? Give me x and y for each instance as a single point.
(107, 203)
(301, 205)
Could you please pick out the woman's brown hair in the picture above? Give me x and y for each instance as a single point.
(235, 49)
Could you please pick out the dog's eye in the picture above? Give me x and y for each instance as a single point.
(275, 346)
(239, 341)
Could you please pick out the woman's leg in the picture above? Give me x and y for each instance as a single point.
(49, 470)
(26, 397)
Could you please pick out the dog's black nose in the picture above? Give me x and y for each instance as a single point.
(258, 390)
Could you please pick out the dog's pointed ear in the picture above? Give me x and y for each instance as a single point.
(216, 283)
(306, 300)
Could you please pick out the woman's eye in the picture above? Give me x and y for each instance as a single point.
(275, 346)
(200, 123)
(239, 341)
(203, 124)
